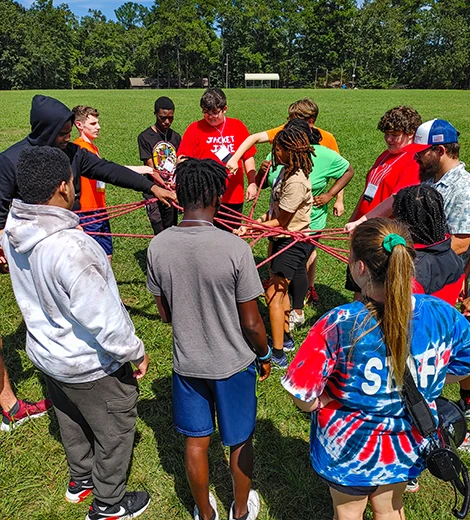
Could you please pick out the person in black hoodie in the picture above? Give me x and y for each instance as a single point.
(51, 125)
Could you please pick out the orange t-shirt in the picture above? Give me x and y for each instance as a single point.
(92, 194)
(328, 139)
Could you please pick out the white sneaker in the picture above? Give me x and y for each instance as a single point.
(253, 505)
(295, 320)
(213, 503)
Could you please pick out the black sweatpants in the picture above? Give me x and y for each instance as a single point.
(97, 426)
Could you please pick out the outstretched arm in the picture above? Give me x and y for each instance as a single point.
(251, 140)
(384, 209)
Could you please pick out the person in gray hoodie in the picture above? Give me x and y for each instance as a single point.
(78, 333)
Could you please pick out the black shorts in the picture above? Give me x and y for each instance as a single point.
(350, 284)
(355, 491)
(286, 264)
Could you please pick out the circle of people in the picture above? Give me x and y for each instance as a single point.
(409, 237)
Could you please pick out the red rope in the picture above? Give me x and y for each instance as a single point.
(230, 218)
(258, 193)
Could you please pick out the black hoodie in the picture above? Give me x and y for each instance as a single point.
(48, 116)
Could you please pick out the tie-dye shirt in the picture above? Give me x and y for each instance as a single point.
(364, 436)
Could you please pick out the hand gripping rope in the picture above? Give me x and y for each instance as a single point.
(232, 219)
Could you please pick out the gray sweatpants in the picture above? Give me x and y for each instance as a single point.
(97, 426)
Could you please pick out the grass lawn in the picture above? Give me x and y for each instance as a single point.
(33, 468)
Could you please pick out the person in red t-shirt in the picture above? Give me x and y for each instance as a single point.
(393, 170)
(217, 137)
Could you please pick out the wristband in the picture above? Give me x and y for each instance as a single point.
(267, 356)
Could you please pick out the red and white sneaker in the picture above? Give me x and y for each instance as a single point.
(78, 490)
(312, 297)
(27, 410)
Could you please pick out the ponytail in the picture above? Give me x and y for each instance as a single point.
(385, 247)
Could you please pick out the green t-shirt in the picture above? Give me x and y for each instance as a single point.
(327, 164)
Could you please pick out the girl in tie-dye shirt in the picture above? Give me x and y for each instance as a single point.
(350, 370)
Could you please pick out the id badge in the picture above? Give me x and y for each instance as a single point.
(168, 166)
(370, 192)
(223, 154)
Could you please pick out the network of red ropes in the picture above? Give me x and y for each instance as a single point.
(232, 219)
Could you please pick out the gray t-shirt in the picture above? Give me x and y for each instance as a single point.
(203, 273)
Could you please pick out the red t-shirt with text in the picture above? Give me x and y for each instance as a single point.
(389, 174)
(201, 141)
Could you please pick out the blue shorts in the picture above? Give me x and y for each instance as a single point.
(100, 227)
(195, 401)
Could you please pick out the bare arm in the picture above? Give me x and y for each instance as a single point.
(163, 308)
(304, 406)
(281, 221)
(254, 331)
(250, 170)
(251, 140)
(337, 187)
(338, 207)
(460, 243)
(454, 379)
(384, 209)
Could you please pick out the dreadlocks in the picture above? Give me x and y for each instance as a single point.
(296, 144)
(422, 208)
(314, 135)
(199, 182)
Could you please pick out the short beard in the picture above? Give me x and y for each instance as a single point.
(430, 171)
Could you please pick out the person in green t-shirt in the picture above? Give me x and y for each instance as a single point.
(327, 165)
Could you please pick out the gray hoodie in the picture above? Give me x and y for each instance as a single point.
(77, 327)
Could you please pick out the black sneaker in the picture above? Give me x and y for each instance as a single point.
(131, 506)
(78, 490)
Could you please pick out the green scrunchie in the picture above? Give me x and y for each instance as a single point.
(392, 240)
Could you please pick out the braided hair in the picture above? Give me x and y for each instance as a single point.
(297, 146)
(199, 182)
(422, 208)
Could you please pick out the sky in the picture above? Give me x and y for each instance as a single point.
(80, 7)
(107, 7)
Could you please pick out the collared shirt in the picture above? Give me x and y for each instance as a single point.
(454, 186)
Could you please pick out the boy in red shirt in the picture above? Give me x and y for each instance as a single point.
(218, 137)
(393, 170)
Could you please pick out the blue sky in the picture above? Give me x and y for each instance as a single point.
(80, 7)
(107, 7)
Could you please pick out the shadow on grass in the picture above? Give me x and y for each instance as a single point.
(282, 474)
(141, 257)
(12, 345)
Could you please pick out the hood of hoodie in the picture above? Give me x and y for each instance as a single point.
(29, 224)
(47, 117)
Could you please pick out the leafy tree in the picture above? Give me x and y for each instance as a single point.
(13, 53)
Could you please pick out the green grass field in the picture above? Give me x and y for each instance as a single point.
(33, 468)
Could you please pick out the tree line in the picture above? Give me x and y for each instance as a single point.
(310, 43)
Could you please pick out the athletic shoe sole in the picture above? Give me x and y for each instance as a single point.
(130, 516)
(76, 498)
(14, 424)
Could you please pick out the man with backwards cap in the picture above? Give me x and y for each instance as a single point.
(158, 145)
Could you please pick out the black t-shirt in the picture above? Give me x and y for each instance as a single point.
(161, 147)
